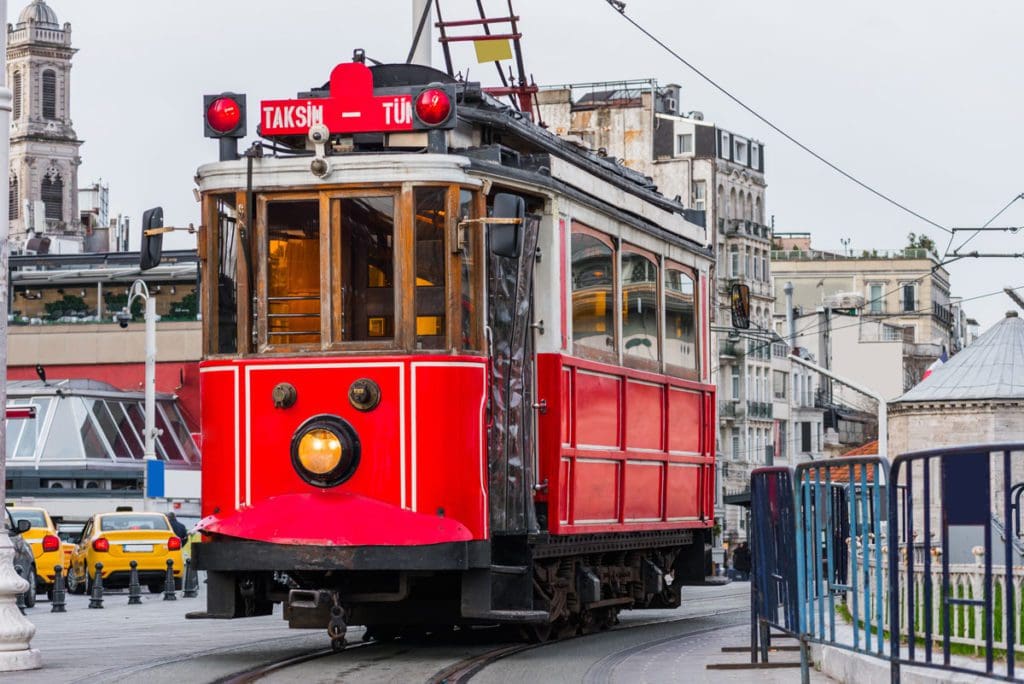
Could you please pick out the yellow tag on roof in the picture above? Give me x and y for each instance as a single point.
(493, 50)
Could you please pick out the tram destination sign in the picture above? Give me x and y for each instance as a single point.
(351, 107)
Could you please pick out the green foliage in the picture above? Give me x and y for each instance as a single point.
(185, 310)
(922, 241)
(70, 304)
(116, 302)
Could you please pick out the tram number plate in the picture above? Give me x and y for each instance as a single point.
(138, 548)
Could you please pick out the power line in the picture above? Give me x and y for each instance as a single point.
(620, 7)
(987, 224)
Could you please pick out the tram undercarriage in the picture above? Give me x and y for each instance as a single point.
(550, 597)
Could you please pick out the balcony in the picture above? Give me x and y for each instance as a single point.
(745, 228)
(729, 409)
(819, 255)
(760, 409)
(730, 350)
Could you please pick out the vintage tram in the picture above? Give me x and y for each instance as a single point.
(456, 368)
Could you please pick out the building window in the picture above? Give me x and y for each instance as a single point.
(49, 94)
(909, 300)
(805, 437)
(735, 444)
(700, 190)
(757, 264)
(755, 156)
(13, 201)
(16, 88)
(875, 298)
(739, 151)
(734, 262)
(53, 195)
(783, 447)
(780, 384)
(684, 143)
(735, 382)
(593, 292)
(725, 149)
(764, 266)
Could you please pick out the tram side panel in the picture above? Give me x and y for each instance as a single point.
(624, 450)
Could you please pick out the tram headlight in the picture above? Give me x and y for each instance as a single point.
(325, 451)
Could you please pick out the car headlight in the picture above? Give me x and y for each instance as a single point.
(325, 451)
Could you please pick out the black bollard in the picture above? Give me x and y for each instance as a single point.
(20, 601)
(169, 582)
(59, 595)
(96, 597)
(134, 590)
(191, 585)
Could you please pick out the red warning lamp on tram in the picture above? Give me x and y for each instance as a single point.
(224, 118)
(433, 106)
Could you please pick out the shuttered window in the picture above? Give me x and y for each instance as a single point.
(16, 87)
(13, 199)
(53, 197)
(49, 94)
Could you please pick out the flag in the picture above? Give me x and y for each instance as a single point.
(936, 364)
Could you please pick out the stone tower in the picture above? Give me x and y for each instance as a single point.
(44, 147)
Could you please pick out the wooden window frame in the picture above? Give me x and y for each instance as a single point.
(698, 307)
(613, 356)
(628, 361)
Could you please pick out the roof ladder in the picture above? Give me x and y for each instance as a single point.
(514, 86)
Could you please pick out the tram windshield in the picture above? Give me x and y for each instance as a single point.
(329, 271)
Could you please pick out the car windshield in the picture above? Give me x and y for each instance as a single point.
(140, 521)
(37, 518)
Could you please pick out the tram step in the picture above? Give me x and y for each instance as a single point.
(517, 616)
(510, 569)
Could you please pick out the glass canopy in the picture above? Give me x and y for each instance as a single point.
(85, 421)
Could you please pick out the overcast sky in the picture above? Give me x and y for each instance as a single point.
(921, 99)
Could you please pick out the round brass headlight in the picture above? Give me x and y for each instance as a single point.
(325, 451)
(320, 451)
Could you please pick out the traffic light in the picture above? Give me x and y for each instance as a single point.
(224, 118)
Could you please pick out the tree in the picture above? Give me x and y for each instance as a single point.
(922, 241)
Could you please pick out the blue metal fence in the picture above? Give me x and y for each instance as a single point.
(882, 543)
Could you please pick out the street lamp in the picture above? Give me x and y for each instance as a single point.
(139, 289)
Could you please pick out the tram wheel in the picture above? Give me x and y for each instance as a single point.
(537, 633)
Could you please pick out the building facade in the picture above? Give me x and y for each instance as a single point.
(897, 297)
(43, 194)
(721, 174)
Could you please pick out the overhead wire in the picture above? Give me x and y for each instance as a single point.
(987, 224)
(620, 7)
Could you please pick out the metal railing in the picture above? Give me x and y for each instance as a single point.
(919, 559)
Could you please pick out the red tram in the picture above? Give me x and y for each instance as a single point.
(456, 368)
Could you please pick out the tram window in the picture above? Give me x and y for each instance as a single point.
(368, 268)
(430, 267)
(593, 297)
(680, 322)
(92, 442)
(293, 272)
(469, 236)
(639, 311)
(167, 433)
(110, 430)
(227, 276)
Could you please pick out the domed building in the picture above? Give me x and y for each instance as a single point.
(43, 194)
(977, 397)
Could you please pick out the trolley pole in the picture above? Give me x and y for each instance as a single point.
(15, 631)
(421, 50)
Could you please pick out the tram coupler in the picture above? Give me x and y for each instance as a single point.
(336, 628)
(308, 608)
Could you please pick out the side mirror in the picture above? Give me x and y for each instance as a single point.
(152, 243)
(739, 303)
(504, 236)
(23, 526)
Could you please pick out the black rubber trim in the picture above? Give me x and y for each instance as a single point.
(252, 556)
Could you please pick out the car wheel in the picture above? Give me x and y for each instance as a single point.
(30, 594)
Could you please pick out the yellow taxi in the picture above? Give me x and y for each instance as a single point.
(47, 547)
(116, 539)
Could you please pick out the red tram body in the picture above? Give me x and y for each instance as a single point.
(456, 370)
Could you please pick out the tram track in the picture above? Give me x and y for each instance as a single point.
(464, 669)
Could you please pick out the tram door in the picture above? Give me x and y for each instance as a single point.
(512, 431)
